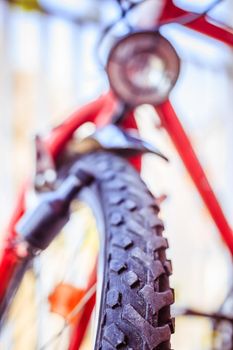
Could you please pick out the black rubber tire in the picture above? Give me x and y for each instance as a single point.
(136, 297)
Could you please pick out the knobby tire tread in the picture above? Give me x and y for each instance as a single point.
(136, 296)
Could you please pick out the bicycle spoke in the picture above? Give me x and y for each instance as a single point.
(71, 315)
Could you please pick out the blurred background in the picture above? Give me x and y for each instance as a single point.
(49, 66)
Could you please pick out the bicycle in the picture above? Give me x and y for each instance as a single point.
(136, 297)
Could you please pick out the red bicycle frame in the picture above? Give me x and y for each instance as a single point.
(100, 112)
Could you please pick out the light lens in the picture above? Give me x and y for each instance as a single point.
(143, 68)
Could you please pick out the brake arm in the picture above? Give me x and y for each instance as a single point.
(41, 225)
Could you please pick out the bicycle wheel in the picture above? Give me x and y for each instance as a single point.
(133, 293)
(135, 296)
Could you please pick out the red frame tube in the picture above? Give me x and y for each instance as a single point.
(183, 145)
(97, 111)
(82, 324)
(203, 25)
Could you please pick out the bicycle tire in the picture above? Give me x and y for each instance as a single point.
(134, 310)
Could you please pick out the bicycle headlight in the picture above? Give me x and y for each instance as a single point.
(143, 68)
